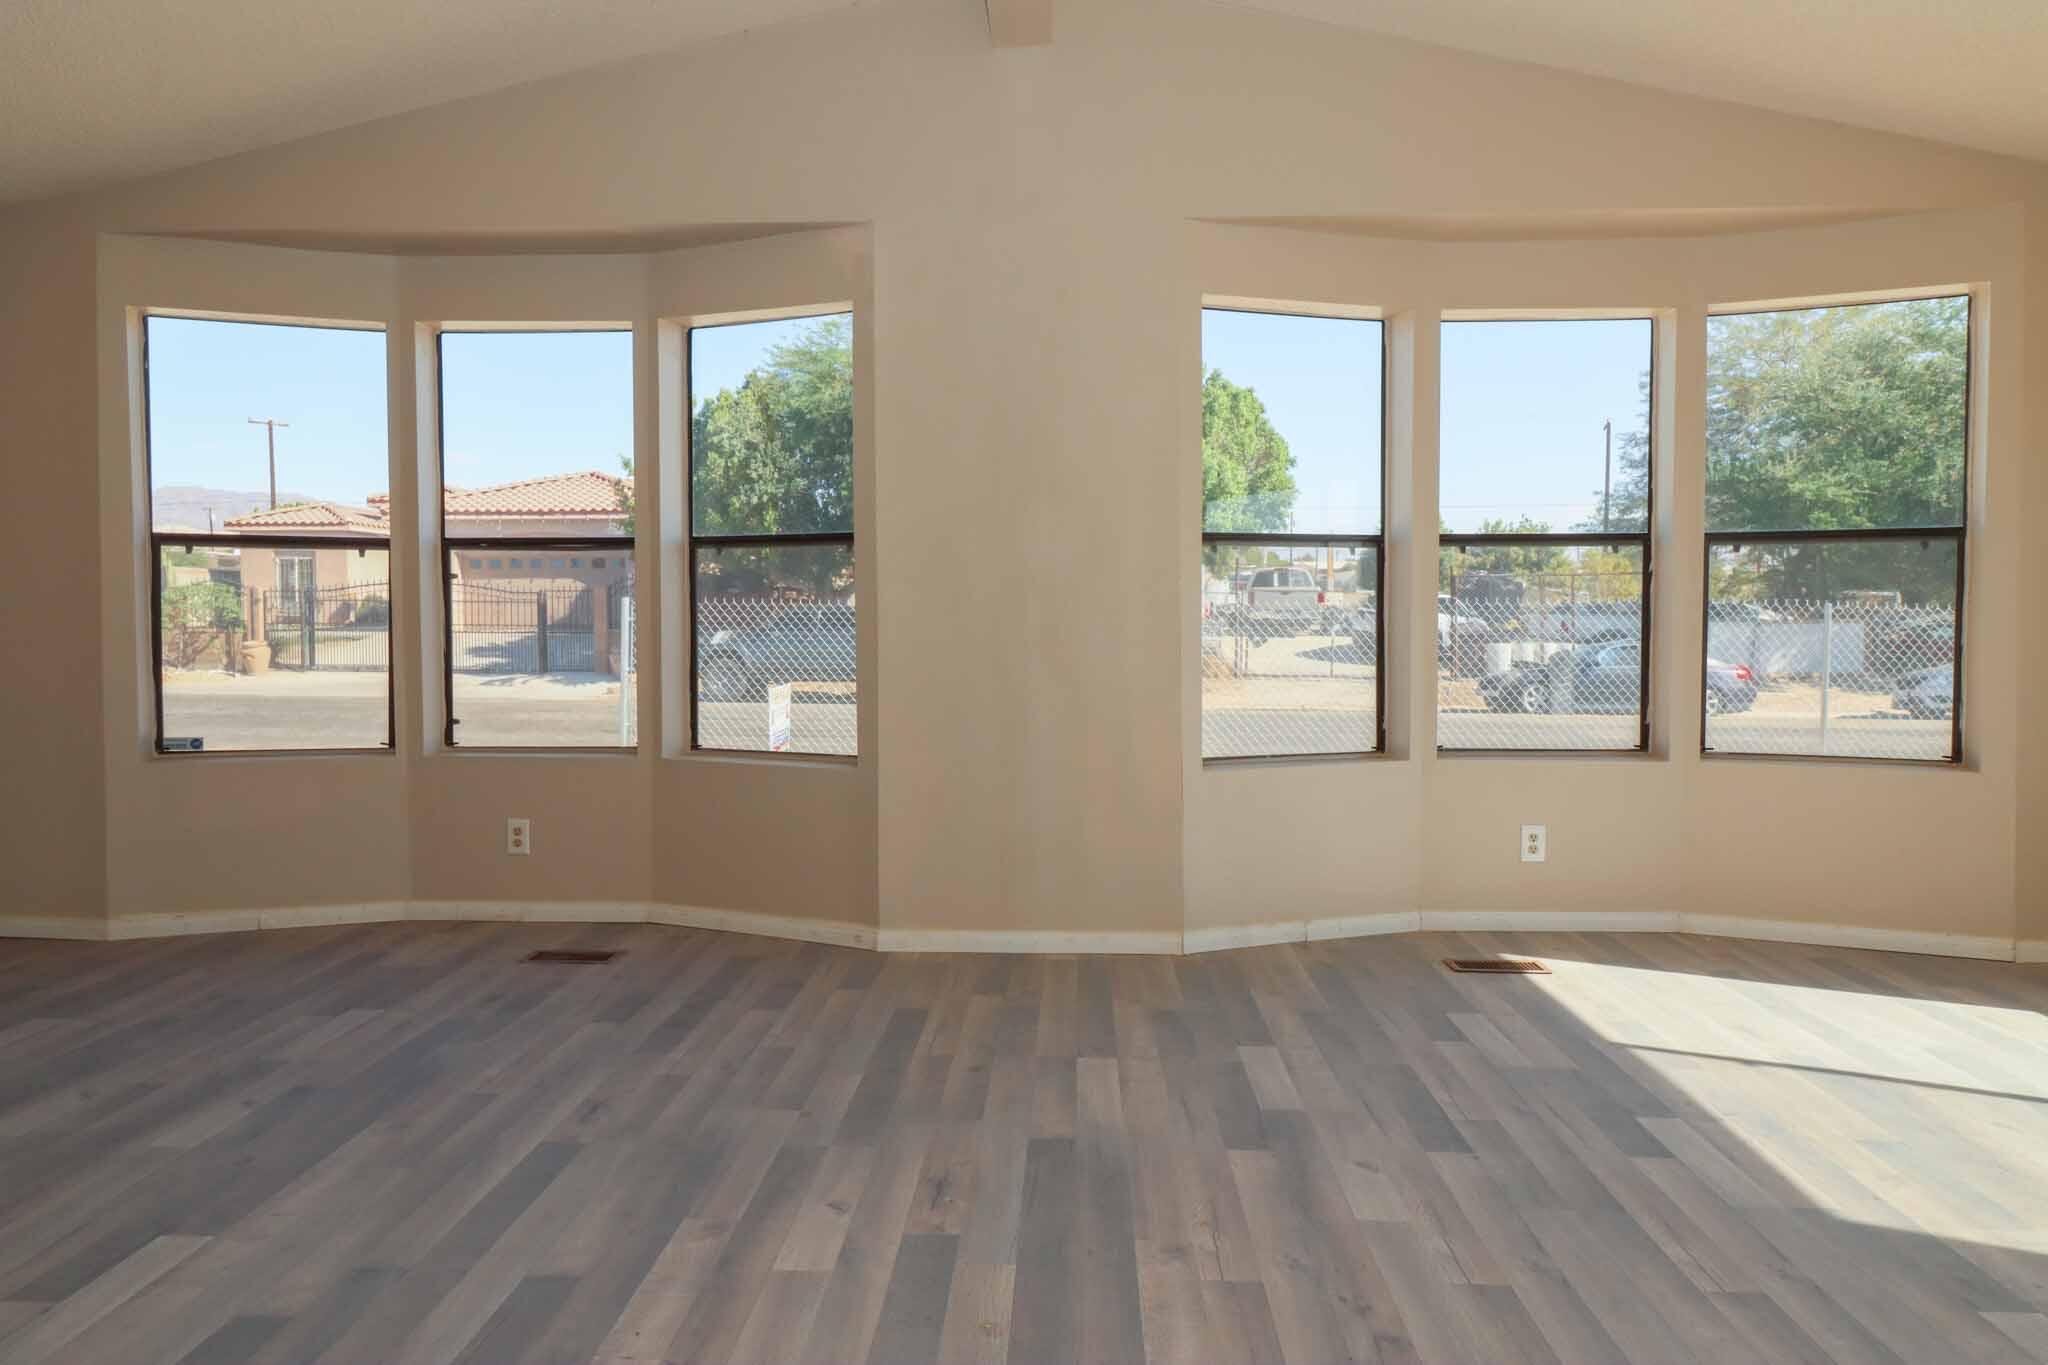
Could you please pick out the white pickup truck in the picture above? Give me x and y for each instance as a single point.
(1268, 602)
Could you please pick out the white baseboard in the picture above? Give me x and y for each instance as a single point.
(1850, 936)
(1551, 921)
(837, 932)
(1364, 926)
(1026, 941)
(1218, 938)
(171, 924)
(843, 934)
(531, 912)
(53, 926)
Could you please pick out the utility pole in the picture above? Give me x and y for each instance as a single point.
(271, 424)
(1606, 483)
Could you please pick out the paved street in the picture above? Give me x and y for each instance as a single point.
(1303, 711)
(346, 710)
(1309, 694)
(341, 710)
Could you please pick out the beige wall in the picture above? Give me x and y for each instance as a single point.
(1031, 331)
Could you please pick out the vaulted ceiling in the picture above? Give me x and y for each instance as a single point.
(1971, 72)
(93, 91)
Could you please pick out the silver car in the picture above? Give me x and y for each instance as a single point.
(1929, 692)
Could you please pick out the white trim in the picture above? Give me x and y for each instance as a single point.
(1026, 941)
(53, 926)
(1217, 938)
(841, 933)
(1364, 926)
(838, 932)
(531, 912)
(1850, 936)
(1551, 921)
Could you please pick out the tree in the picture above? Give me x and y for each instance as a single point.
(1247, 469)
(1839, 419)
(776, 455)
(1628, 505)
(628, 505)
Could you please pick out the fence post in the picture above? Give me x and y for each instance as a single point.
(1827, 666)
(307, 635)
(540, 614)
(625, 669)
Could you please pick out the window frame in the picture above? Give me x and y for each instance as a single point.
(1377, 540)
(452, 548)
(1642, 541)
(692, 540)
(160, 541)
(1925, 535)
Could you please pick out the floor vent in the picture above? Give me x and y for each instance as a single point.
(571, 955)
(1511, 966)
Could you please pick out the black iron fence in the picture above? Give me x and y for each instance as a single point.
(507, 629)
(346, 627)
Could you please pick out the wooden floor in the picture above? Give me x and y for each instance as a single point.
(400, 1143)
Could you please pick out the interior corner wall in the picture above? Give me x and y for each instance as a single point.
(2030, 814)
(52, 805)
(1031, 317)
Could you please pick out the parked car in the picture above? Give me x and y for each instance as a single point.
(1730, 687)
(1605, 676)
(785, 644)
(1282, 601)
(1588, 678)
(1926, 692)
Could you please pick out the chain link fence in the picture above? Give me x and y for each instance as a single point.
(1289, 654)
(1860, 677)
(1540, 661)
(749, 647)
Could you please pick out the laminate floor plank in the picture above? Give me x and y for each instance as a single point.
(400, 1143)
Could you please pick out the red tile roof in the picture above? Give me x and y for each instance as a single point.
(327, 516)
(579, 496)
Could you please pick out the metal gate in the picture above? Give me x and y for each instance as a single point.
(522, 630)
(346, 627)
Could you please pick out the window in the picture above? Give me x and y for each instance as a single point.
(1836, 507)
(1545, 501)
(269, 539)
(774, 662)
(537, 456)
(1292, 461)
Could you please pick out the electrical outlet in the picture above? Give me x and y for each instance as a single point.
(519, 836)
(1535, 843)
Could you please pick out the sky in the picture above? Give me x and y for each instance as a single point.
(514, 405)
(1522, 407)
(1523, 404)
(207, 379)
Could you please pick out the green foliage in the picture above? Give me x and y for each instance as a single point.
(1247, 469)
(1839, 418)
(626, 497)
(776, 455)
(1519, 560)
(202, 606)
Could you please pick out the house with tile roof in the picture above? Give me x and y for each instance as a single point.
(499, 592)
(587, 503)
